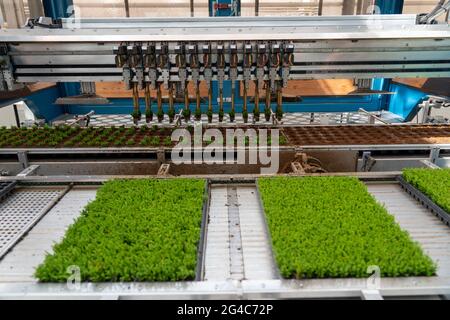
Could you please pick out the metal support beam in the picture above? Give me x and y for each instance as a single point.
(256, 8)
(127, 8)
(23, 159)
(2, 17)
(320, 8)
(191, 6)
(362, 6)
(31, 170)
(348, 7)
(388, 7)
(429, 164)
(36, 8)
(16, 115)
(434, 154)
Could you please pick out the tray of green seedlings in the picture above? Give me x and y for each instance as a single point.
(95, 137)
(134, 231)
(76, 137)
(331, 227)
(431, 187)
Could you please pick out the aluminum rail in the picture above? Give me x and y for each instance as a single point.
(228, 33)
(345, 47)
(220, 22)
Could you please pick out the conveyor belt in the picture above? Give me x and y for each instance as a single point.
(238, 245)
(20, 211)
(422, 225)
(368, 135)
(19, 264)
(259, 277)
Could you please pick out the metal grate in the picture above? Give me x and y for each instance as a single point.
(20, 212)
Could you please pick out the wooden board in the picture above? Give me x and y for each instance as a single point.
(304, 88)
(439, 87)
(332, 87)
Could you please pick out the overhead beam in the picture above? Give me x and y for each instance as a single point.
(348, 7)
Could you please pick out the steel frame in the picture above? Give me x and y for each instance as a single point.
(264, 289)
(353, 47)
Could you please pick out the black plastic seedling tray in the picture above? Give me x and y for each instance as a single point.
(425, 200)
(204, 226)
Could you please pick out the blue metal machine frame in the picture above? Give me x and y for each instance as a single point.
(403, 102)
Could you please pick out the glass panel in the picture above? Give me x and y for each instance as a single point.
(288, 7)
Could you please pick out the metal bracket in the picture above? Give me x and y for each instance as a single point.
(45, 22)
(430, 164)
(88, 88)
(434, 154)
(3, 86)
(368, 162)
(29, 171)
(297, 168)
(127, 77)
(431, 17)
(161, 156)
(23, 159)
(164, 170)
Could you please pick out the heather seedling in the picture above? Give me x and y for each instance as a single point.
(137, 116)
(171, 114)
(245, 116)
(198, 114)
(187, 114)
(131, 131)
(256, 114)
(160, 115)
(232, 115)
(210, 116)
(167, 141)
(146, 141)
(143, 129)
(279, 113)
(155, 141)
(149, 115)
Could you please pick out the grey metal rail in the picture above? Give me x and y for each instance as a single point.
(425, 200)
